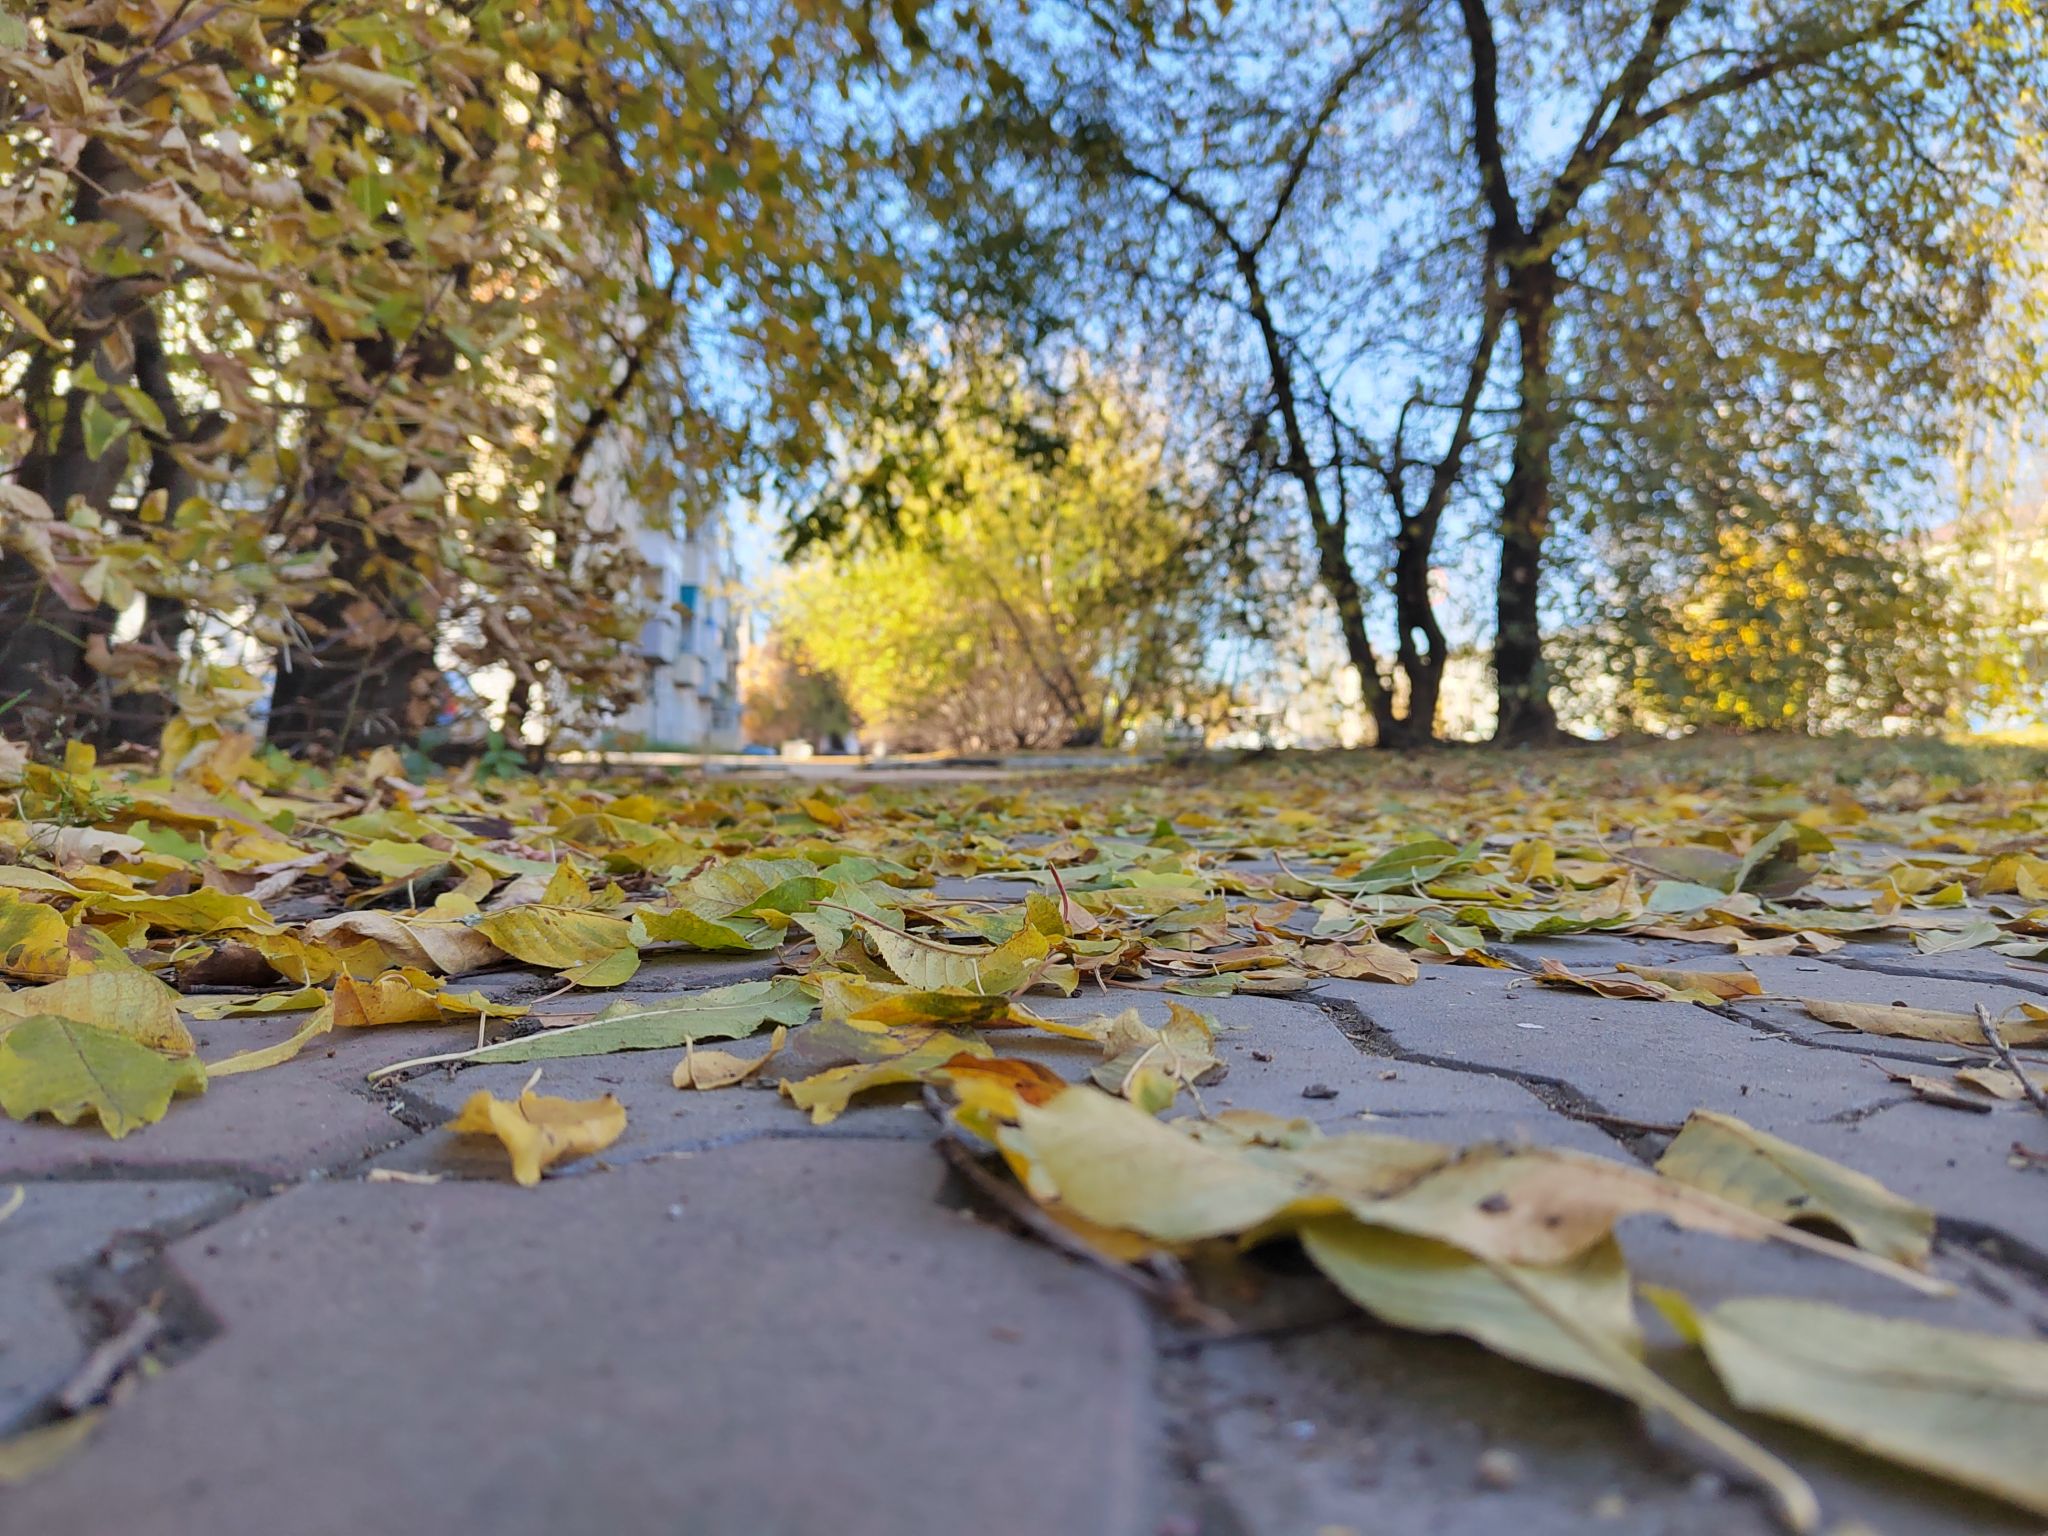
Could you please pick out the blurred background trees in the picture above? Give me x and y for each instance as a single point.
(998, 562)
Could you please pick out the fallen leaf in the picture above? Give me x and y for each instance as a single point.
(452, 949)
(1762, 1173)
(539, 1131)
(1925, 1023)
(62, 1068)
(1932, 1090)
(696, 931)
(897, 1005)
(33, 941)
(1999, 1083)
(1572, 1320)
(1969, 1408)
(262, 1002)
(614, 970)
(1515, 1205)
(555, 937)
(260, 1057)
(36, 1450)
(125, 1002)
(721, 1013)
(827, 1094)
(722, 1069)
(931, 966)
(407, 996)
(1726, 985)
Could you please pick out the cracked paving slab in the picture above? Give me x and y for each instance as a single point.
(60, 1225)
(772, 1340)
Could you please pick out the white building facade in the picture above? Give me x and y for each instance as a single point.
(690, 644)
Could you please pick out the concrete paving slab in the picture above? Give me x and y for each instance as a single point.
(58, 1225)
(1653, 1062)
(1657, 1062)
(774, 1340)
(258, 1127)
(1305, 1047)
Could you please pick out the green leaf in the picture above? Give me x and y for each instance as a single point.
(682, 926)
(65, 1069)
(100, 426)
(723, 1013)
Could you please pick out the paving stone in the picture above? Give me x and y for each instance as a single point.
(661, 1119)
(273, 1125)
(1653, 1062)
(1308, 1049)
(1360, 1429)
(774, 1340)
(56, 1226)
(1657, 1062)
(1788, 977)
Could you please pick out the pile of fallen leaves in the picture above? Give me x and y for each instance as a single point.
(246, 886)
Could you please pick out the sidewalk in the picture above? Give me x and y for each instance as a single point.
(736, 1322)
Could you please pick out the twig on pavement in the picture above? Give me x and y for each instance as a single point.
(2010, 1062)
(110, 1361)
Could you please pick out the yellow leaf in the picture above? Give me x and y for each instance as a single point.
(1967, 1407)
(722, 1069)
(259, 1057)
(566, 887)
(452, 949)
(826, 1094)
(35, 1450)
(32, 941)
(1775, 1178)
(1725, 985)
(408, 996)
(539, 1131)
(126, 1002)
(263, 1002)
(1925, 1023)
(555, 937)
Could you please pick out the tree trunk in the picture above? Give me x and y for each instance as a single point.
(367, 676)
(42, 640)
(1333, 564)
(1421, 651)
(1519, 671)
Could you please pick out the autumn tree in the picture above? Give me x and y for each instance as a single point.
(998, 561)
(342, 328)
(1415, 236)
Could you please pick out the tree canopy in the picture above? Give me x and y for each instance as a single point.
(1540, 276)
(341, 329)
